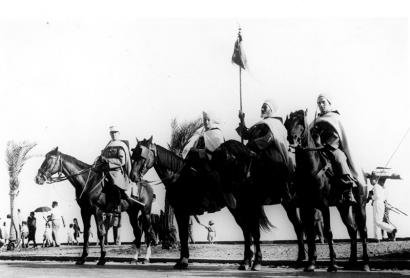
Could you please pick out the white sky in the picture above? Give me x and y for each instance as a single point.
(67, 73)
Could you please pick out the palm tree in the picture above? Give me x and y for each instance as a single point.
(182, 133)
(180, 136)
(16, 157)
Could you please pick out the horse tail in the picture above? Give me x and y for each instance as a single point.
(264, 222)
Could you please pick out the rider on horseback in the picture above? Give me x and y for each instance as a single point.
(200, 150)
(116, 157)
(328, 132)
(269, 137)
(208, 139)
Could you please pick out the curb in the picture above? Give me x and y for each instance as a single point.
(398, 264)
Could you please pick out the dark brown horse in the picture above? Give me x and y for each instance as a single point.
(88, 183)
(315, 190)
(187, 189)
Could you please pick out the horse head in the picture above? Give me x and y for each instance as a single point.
(296, 126)
(51, 165)
(143, 158)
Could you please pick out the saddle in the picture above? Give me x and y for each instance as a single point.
(132, 195)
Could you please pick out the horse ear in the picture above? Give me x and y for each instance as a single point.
(136, 139)
(150, 140)
(56, 149)
(306, 111)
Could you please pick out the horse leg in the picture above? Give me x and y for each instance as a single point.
(291, 211)
(239, 214)
(102, 226)
(308, 219)
(183, 223)
(256, 234)
(137, 231)
(351, 226)
(106, 235)
(86, 217)
(329, 237)
(360, 212)
(149, 235)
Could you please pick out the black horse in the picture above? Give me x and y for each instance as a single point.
(88, 184)
(315, 190)
(191, 193)
(256, 180)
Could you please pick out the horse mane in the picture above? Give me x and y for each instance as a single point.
(75, 160)
(237, 148)
(169, 159)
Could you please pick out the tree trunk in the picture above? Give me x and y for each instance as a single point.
(14, 235)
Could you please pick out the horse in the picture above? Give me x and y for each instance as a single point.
(256, 182)
(316, 191)
(88, 182)
(181, 182)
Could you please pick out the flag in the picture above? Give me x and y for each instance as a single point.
(238, 56)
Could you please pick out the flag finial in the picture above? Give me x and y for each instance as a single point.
(238, 56)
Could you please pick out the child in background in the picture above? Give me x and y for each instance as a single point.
(47, 236)
(4, 237)
(24, 234)
(70, 235)
(77, 230)
(211, 232)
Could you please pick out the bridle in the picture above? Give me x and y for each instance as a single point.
(145, 151)
(48, 176)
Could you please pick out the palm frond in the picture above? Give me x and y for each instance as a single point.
(16, 156)
(181, 133)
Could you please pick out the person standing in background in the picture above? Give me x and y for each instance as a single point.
(32, 227)
(56, 220)
(211, 232)
(379, 196)
(77, 230)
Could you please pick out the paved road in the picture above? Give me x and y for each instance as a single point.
(17, 269)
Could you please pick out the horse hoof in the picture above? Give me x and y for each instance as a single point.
(257, 267)
(332, 268)
(145, 261)
(310, 268)
(299, 263)
(366, 267)
(243, 267)
(134, 261)
(101, 262)
(181, 265)
(80, 261)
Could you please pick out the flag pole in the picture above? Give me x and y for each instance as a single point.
(240, 88)
(240, 80)
(240, 94)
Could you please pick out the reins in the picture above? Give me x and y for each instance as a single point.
(60, 176)
(63, 178)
